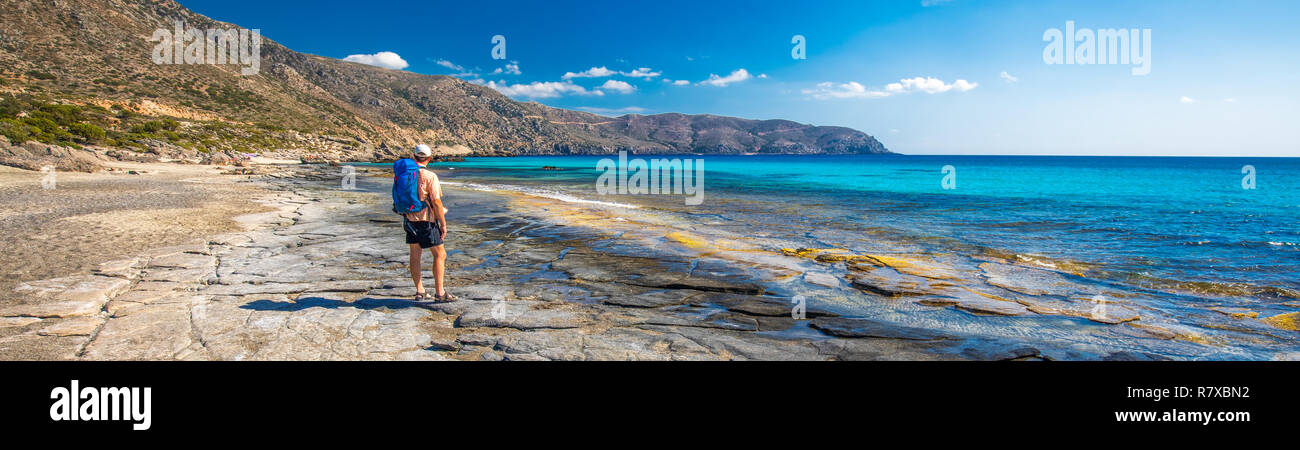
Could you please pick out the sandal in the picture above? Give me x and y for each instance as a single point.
(422, 296)
(444, 298)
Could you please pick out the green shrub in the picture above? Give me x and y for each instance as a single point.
(43, 124)
(40, 75)
(154, 126)
(11, 106)
(136, 137)
(16, 131)
(87, 132)
(64, 115)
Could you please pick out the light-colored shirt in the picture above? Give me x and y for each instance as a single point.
(430, 190)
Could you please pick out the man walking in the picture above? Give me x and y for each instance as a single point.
(427, 228)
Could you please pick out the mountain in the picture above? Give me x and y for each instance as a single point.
(79, 72)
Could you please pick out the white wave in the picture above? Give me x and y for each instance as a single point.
(1035, 261)
(538, 192)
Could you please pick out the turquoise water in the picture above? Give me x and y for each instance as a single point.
(1180, 234)
(1185, 219)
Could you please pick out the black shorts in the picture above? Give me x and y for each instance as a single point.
(426, 234)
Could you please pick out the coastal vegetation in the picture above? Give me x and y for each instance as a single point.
(27, 117)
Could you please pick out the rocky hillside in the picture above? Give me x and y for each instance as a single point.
(79, 73)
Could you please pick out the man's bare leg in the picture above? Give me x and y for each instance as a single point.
(439, 263)
(415, 268)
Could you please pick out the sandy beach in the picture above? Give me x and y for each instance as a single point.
(88, 219)
(91, 218)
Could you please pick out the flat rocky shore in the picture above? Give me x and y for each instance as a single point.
(321, 274)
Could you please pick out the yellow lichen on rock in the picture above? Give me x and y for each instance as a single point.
(894, 262)
(1236, 313)
(711, 246)
(988, 295)
(1164, 332)
(838, 257)
(689, 241)
(1288, 321)
(809, 252)
(868, 262)
(917, 267)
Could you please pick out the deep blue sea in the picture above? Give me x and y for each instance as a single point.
(1183, 230)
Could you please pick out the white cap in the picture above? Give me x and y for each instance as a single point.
(423, 151)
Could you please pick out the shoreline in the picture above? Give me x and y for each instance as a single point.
(1068, 309)
(320, 274)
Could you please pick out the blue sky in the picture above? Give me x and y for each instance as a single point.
(923, 76)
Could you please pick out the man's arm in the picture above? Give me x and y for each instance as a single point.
(438, 216)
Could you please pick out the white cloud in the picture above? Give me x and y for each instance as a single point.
(621, 87)
(388, 60)
(643, 72)
(602, 71)
(928, 85)
(450, 65)
(1008, 77)
(594, 72)
(511, 68)
(677, 82)
(1186, 99)
(735, 77)
(762, 76)
(614, 111)
(460, 70)
(539, 89)
(827, 90)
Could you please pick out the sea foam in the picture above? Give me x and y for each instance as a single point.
(539, 192)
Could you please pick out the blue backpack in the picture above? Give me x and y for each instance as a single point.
(406, 187)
